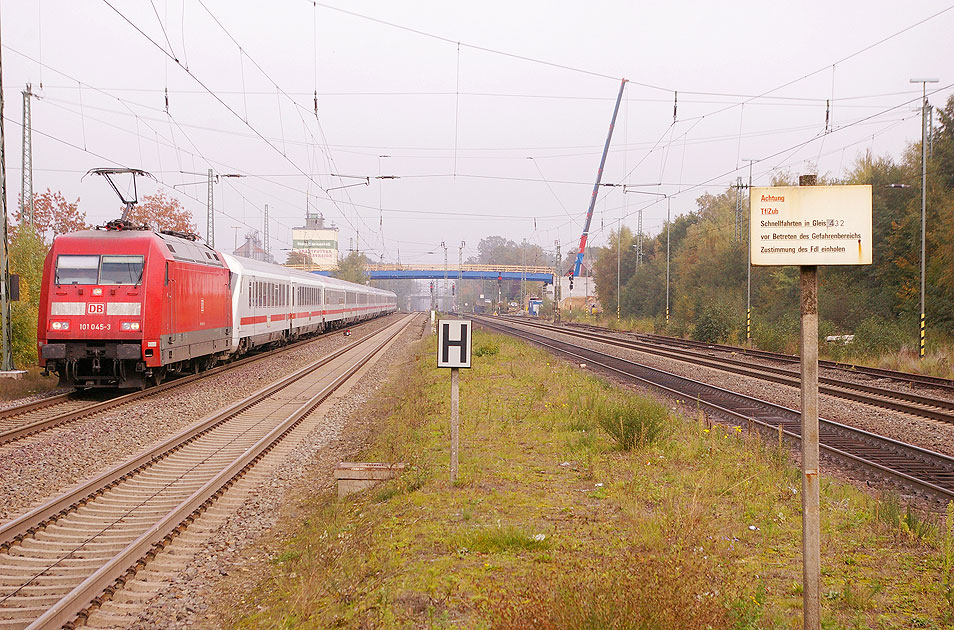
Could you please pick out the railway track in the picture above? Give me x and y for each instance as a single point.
(68, 555)
(21, 421)
(908, 378)
(934, 408)
(928, 473)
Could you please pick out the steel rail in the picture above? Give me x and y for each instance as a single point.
(910, 378)
(116, 570)
(904, 402)
(929, 472)
(18, 433)
(124, 564)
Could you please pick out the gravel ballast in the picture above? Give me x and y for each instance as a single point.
(235, 547)
(47, 463)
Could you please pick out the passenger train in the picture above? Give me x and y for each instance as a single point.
(124, 306)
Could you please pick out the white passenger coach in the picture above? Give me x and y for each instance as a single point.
(273, 304)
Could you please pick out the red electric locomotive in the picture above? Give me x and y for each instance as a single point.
(120, 307)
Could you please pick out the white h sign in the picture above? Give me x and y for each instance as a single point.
(453, 343)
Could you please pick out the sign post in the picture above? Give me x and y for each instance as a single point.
(808, 227)
(453, 351)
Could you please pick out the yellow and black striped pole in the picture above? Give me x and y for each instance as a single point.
(921, 347)
(748, 325)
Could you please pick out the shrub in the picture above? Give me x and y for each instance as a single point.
(713, 324)
(876, 336)
(778, 336)
(632, 422)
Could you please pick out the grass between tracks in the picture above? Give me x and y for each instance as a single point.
(552, 525)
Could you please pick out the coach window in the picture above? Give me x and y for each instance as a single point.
(77, 269)
(121, 270)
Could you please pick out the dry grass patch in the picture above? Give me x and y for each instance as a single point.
(553, 524)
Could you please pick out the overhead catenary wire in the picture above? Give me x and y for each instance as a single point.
(215, 95)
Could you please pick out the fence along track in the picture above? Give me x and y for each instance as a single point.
(905, 402)
(59, 559)
(930, 473)
(31, 418)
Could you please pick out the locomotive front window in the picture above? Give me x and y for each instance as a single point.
(121, 270)
(77, 269)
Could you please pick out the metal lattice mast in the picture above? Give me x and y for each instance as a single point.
(210, 220)
(268, 249)
(26, 184)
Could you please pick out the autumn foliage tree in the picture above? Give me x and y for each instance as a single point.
(53, 213)
(162, 213)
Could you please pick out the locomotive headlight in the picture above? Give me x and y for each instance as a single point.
(98, 291)
(129, 326)
(60, 325)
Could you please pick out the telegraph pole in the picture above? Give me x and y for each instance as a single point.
(26, 183)
(6, 331)
(923, 83)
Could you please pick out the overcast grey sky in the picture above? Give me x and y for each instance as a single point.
(457, 122)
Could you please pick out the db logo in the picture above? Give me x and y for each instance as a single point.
(95, 309)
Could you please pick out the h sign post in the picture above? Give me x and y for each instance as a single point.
(453, 351)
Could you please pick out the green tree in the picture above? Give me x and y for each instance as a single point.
(27, 253)
(352, 268)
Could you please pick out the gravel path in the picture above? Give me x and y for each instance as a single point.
(929, 434)
(44, 465)
(240, 544)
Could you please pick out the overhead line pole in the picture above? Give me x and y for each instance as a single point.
(923, 83)
(26, 181)
(748, 268)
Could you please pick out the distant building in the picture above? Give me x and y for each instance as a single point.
(314, 245)
(252, 248)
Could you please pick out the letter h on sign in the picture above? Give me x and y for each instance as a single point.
(453, 343)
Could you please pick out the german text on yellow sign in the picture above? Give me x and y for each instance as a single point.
(811, 225)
